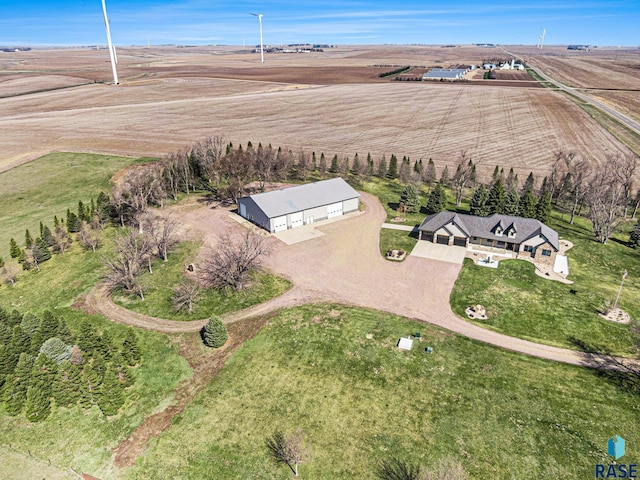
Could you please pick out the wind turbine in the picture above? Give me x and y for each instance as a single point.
(112, 51)
(544, 32)
(259, 15)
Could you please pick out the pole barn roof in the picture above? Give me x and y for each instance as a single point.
(303, 197)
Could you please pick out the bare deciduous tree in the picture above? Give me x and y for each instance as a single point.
(132, 250)
(185, 295)
(264, 164)
(162, 233)
(9, 273)
(606, 199)
(140, 188)
(289, 450)
(208, 155)
(462, 177)
(61, 240)
(577, 178)
(234, 261)
(626, 168)
(89, 237)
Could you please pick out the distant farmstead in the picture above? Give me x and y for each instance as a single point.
(445, 74)
(300, 205)
(525, 237)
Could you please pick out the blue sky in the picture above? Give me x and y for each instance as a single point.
(199, 22)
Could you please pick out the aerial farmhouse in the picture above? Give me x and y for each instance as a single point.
(300, 205)
(524, 237)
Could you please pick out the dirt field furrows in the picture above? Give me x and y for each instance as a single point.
(611, 75)
(511, 127)
(172, 97)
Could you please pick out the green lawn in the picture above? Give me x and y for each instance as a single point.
(38, 190)
(396, 240)
(521, 304)
(335, 372)
(166, 275)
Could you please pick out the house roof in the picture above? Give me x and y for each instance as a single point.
(444, 73)
(484, 227)
(303, 197)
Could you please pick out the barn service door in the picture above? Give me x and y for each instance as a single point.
(334, 210)
(280, 223)
(296, 220)
(243, 210)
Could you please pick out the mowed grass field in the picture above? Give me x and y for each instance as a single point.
(336, 373)
(38, 190)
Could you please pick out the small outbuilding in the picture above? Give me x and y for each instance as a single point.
(300, 205)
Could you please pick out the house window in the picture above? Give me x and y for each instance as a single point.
(546, 253)
(499, 232)
(528, 248)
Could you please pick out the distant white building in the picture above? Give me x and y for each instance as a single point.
(445, 74)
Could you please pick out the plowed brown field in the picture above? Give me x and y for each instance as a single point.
(331, 102)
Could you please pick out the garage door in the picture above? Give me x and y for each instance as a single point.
(334, 210)
(442, 240)
(243, 210)
(296, 220)
(280, 223)
(460, 241)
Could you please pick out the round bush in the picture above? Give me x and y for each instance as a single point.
(214, 333)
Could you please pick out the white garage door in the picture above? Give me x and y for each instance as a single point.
(243, 210)
(280, 223)
(334, 210)
(296, 220)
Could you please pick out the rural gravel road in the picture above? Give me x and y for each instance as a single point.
(344, 265)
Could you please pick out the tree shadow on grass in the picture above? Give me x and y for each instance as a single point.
(624, 374)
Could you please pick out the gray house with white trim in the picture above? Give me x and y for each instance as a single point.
(525, 237)
(300, 205)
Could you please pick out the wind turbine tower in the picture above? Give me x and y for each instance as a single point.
(544, 32)
(112, 52)
(259, 15)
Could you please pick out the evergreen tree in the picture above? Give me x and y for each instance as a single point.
(56, 350)
(87, 338)
(104, 345)
(529, 183)
(42, 250)
(48, 325)
(445, 178)
(29, 324)
(37, 406)
(83, 212)
(17, 384)
(28, 239)
(437, 199)
(14, 249)
(335, 168)
(47, 236)
(543, 207)
(356, 168)
(511, 182)
(90, 383)
(322, 167)
(512, 203)
(528, 205)
(63, 332)
(110, 394)
(410, 199)
(121, 369)
(5, 334)
(73, 223)
(478, 204)
(214, 333)
(130, 348)
(370, 166)
(382, 168)
(103, 208)
(497, 197)
(393, 167)
(495, 175)
(67, 385)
